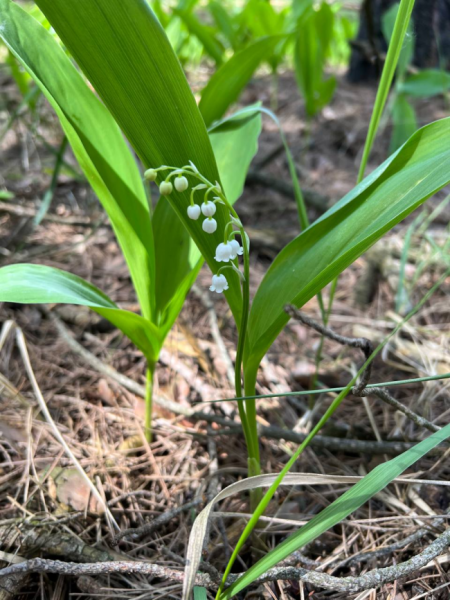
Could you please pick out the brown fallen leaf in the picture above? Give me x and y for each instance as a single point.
(71, 490)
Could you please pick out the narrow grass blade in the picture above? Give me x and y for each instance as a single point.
(370, 485)
(48, 196)
(393, 54)
(198, 535)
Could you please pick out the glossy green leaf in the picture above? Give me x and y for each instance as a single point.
(127, 57)
(227, 83)
(38, 284)
(203, 33)
(426, 83)
(95, 138)
(235, 143)
(341, 508)
(305, 266)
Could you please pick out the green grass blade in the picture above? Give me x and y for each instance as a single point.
(38, 284)
(95, 139)
(323, 420)
(393, 55)
(341, 508)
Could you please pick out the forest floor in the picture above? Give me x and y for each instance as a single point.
(46, 508)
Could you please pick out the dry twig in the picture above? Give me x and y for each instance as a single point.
(371, 579)
(148, 528)
(231, 427)
(366, 346)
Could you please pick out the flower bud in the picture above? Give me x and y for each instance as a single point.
(193, 211)
(165, 188)
(209, 225)
(208, 208)
(181, 183)
(150, 175)
(219, 284)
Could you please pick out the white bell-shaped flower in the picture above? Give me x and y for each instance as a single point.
(181, 183)
(193, 211)
(236, 249)
(219, 284)
(165, 188)
(223, 252)
(150, 175)
(209, 225)
(209, 208)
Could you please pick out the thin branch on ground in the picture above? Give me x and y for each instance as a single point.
(230, 427)
(361, 390)
(138, 532)
(361, 343)
(384, 395)
(371, 579)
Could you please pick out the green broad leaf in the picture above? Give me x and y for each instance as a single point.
(426, 83)
(307, 264)
(95, 139)
(341, 508)
(225, 86)
(235, 143)
(203, 33)
(262, 19)
(125, 54)
(404, 121)
(38, 284)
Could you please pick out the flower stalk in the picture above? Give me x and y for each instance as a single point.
(149, 400)
(227, 253)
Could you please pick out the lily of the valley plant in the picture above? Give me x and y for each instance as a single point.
(123, 52)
